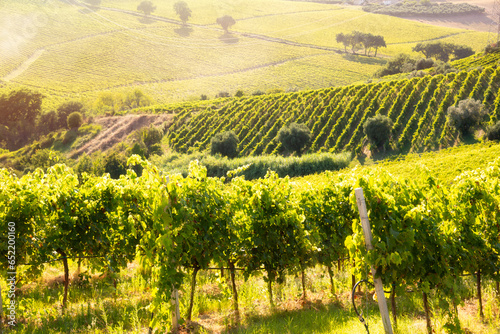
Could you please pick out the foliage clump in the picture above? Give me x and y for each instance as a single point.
(226, 22)
(357, 40)
(225, 143)
(493, 132)
(378, 130)
(75, 120)
(294, 137)
(443, 51)
(182, 9)
(147, 7)
(468, 114)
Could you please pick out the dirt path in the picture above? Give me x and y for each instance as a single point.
(117, 128)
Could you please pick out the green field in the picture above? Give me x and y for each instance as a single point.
(68, 51)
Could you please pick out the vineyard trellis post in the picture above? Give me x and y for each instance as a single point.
(175, 312)
(379, 287)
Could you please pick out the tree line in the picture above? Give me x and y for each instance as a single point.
(358, 40)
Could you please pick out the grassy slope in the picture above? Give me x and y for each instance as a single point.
(445, 164)
(88, 51)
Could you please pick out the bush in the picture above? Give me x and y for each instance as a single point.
(400, 64)
(69, 137)
(493, 132)
(151, 136)
(239, 93)
(294, 137)
(223, 94)
(65, 109)
(225, 143)
(378, 130)
(424, 63)
(45, 158)
(467, 115)
(75, 120)
(115, 165)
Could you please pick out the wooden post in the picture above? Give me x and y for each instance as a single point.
(175, 313)
(379, 287)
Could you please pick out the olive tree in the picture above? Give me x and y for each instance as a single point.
(466, 115)
(378, 130)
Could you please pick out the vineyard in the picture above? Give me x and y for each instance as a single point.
(336, 115)
(427, 235)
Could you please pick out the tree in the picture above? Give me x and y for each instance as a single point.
(493, 132)
(294, 137)
(146, 7)
(226, 22)
(468, 114)
(356, 39)
(65, 109)
(75, 120)
(443, 51)
(462, 51)
(19, 110)
(341, 38)
(378, 130)
(225, 143)
(182, 9)
(378, 42)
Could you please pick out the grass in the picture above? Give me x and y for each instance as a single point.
(445, 164)
(95, 306)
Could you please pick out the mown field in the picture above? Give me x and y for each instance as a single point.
(75, 52)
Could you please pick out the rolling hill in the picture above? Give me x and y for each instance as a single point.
(68, 50)
(417, 106)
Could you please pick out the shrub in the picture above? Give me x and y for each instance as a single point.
(45, 158)
(294, 137)
(225, 143)
(75, 120)
(378, 130)
(151, 136)
(424, 63)
(400, 64)
(468, 114)
(223, 94)
(239, 93)
(69, 137)
(115, 165)
(65, 109)
(203, 97)
(493, 132)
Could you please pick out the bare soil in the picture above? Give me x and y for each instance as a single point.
(115, 129)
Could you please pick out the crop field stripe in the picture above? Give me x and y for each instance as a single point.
(369, 111)
(355, 116)
(448, 134)
(424, 121)
(409, 106)
(412, 123)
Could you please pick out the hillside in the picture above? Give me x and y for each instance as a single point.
(68, 50)
(335, 116)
